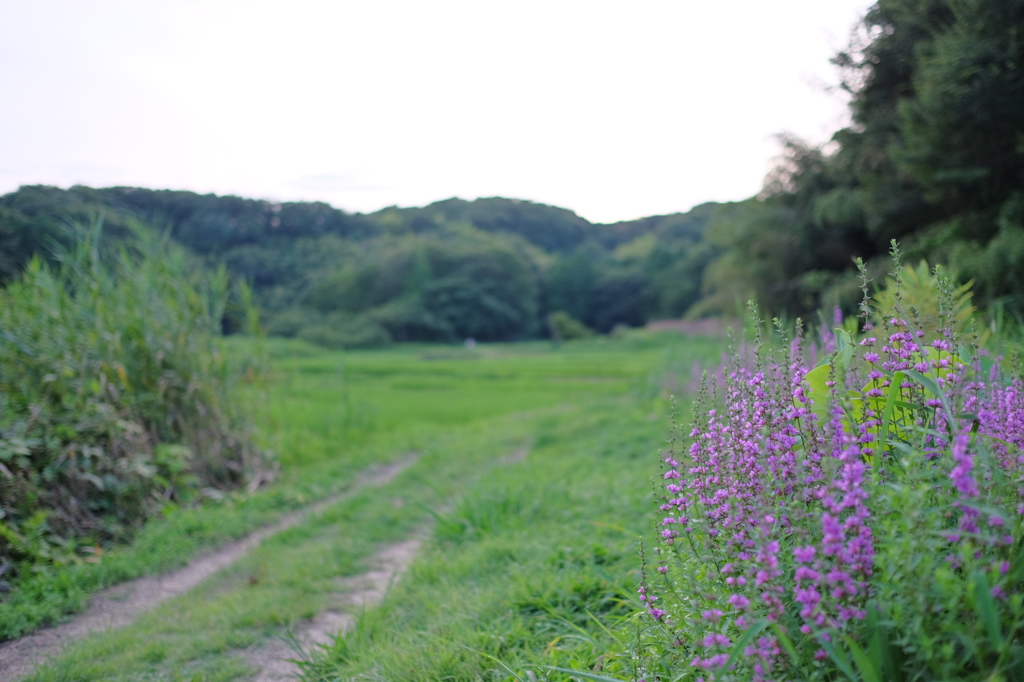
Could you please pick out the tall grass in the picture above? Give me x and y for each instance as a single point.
(113, 398)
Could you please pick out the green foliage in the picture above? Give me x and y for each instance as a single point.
(550, 228)
(490, 269)
(566, 328)
(18, 242)
(932, 158)
(571, 282)
(529, 568)
(899, 553)
(918, 293)
(601, 292)
(113, 397)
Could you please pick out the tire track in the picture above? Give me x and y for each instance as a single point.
(275, 659)
(118, 606)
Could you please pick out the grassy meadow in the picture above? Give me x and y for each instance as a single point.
(531, 487)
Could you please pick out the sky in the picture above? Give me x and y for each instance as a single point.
(616, 110)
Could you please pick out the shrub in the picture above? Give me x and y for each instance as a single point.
(857, 520)
(114, 397)
(564, 327)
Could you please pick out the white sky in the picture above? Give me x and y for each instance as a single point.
(615, 110)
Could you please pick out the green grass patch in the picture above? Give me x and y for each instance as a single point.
(542, 544)
(536, 567)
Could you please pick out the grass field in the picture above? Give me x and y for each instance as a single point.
(531, 488)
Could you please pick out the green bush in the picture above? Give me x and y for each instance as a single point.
(114, 397)
(564, 327)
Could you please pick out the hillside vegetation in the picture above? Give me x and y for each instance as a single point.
(490, 269)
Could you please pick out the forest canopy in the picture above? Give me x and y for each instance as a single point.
(933, 157)
(492, 269)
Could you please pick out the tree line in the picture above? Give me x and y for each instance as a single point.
(492, 269)
(933, 157)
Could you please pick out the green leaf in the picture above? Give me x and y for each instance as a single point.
(878, 646)
(930, 385)
(890, 405)
(844, 344)
(8, 336)
(839, 658)
(584, 675)
(744, 641)
(824, 361)
(817, 380)
(965, 352)
(986, 607)
(926, 381)
(905, 448)
(868, 669)
(787, 645)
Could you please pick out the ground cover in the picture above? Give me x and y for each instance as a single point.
(532, 568)
(587, 414)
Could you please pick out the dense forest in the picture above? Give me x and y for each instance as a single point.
(490, 269)
(933, 157)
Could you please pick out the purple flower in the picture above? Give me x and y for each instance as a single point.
(777, 489)
(963, 481)
(804, 554)
(716, 639)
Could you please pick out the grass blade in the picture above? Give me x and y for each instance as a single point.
(585, 675)
(890, 405)
(986, 607)
(867, 667)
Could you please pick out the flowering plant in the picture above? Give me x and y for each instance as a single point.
(860, 520)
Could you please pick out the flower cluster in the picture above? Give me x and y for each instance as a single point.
(768, 521)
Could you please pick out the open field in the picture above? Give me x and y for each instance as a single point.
(527, 489)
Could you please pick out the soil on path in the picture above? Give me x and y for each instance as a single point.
(276, 659)
(118, 606)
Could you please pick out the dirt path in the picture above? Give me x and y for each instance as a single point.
(118, 606)
(274, 659)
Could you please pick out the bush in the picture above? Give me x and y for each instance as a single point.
(564, 327)
(114, 398)
(857, 520)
